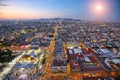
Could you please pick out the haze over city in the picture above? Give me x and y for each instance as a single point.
(101, 10)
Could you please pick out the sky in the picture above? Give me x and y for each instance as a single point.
(77, 9)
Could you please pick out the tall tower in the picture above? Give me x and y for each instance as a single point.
(60, 23)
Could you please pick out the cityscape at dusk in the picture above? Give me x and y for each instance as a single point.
(59, 39)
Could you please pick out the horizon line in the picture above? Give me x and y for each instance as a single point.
(59, 18)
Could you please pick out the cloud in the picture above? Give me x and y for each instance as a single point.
(1, 4)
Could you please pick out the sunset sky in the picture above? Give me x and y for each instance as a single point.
(103, 10)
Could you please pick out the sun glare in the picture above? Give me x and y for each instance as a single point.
(99, 8)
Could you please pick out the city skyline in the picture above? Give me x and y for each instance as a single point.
(107, 10)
